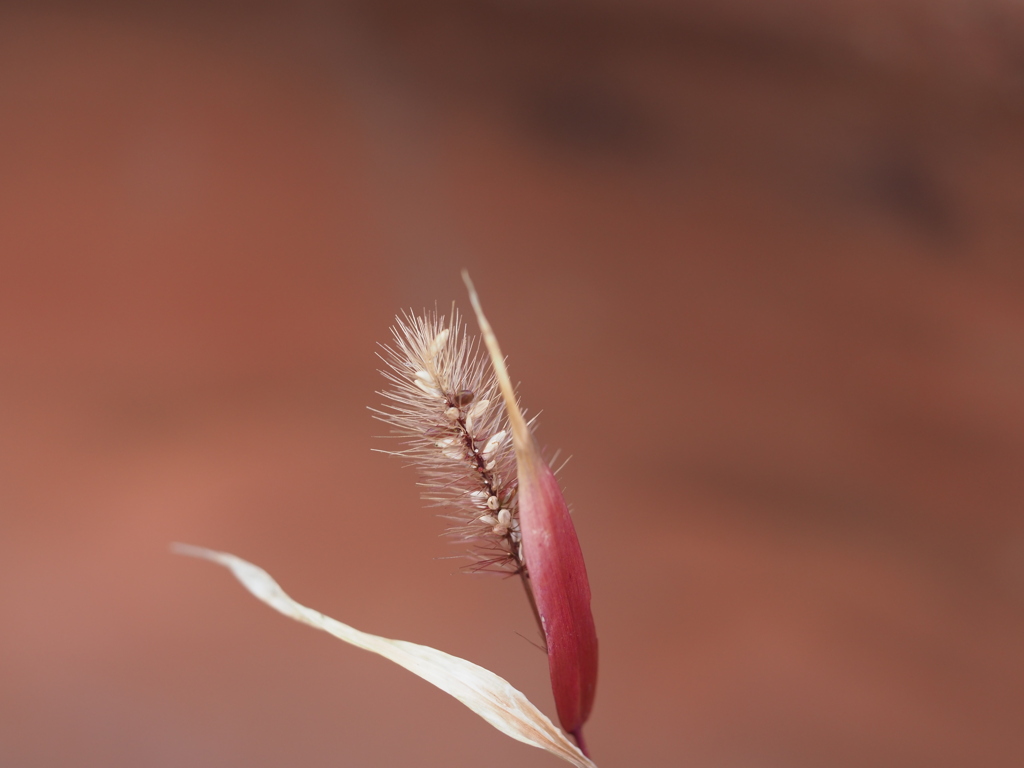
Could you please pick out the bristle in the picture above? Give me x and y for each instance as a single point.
(444, 404)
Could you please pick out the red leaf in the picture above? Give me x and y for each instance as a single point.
(554, 560)
(558, 578)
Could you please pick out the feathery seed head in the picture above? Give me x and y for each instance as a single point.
(444, 405)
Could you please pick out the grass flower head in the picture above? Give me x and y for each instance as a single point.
(445, 406)
(453, 406)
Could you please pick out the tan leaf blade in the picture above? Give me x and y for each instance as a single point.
(490, 696)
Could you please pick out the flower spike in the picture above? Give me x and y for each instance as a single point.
(443, 405)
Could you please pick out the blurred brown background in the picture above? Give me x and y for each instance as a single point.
(760, 265)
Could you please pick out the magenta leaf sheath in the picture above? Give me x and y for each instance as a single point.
(553, 559)
(561, 590)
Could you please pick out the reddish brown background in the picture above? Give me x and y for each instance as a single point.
(760, 265)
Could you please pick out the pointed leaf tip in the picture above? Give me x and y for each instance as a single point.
(557, 574)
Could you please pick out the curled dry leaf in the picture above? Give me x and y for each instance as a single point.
(490, 696)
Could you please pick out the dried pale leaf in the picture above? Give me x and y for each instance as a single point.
(490, 696)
